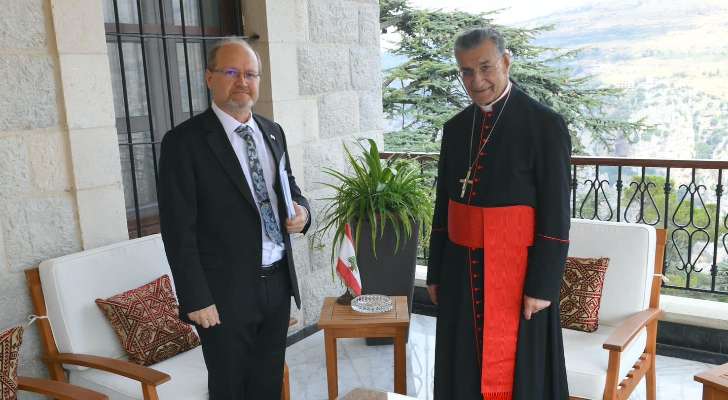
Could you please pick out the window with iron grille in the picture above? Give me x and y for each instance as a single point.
(157, 53)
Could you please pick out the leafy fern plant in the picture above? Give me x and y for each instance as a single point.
(380, 192)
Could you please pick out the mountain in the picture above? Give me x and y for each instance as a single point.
(670, 56)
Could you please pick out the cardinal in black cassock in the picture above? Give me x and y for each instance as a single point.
(499, 237)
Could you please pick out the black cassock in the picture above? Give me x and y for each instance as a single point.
(525, 162)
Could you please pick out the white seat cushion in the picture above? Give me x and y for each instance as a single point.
(631, 252)
(188, 372)
(71, 284)
(587, 361)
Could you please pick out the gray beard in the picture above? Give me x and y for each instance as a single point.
(239, 107)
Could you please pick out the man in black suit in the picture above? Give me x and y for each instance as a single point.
(226, 232)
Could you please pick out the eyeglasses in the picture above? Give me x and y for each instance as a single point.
(234, 73)
(484, 70)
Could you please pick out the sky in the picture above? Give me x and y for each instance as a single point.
(516, 10)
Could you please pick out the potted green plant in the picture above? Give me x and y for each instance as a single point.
(387, 203)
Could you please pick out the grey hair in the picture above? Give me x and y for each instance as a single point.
(212, 52)
(473, 38)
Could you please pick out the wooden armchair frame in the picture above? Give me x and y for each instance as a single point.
(616, 388)
(57, 390)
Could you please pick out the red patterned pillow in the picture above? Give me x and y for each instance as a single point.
(581, 293)
(147, 322)
(10, 341)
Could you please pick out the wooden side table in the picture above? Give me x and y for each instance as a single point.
(340, 321)
(715, 383)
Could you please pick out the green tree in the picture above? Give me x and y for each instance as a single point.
(424, 91)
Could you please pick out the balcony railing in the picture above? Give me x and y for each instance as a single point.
(683, 196)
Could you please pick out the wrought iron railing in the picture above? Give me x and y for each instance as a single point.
(683, 196)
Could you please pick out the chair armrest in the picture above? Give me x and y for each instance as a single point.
(57, 390)
(628, 329)
(145, 375)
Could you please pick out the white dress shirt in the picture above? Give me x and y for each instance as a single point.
(272, 251)
(489, 107)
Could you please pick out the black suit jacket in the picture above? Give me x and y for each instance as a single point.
(210, 224)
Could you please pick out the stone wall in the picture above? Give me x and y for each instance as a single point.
(322, 64)
(60, 185)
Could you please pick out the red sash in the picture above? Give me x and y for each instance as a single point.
(505, 233)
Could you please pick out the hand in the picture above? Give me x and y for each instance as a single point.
(297, 224)
(532, 306)
(433, 291)
(206, 318)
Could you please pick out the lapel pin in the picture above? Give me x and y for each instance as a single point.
(272, 137)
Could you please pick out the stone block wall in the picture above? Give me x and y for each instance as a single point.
(60, 182)
(38, 214)
(322, 83)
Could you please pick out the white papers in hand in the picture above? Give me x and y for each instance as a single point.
(286, 188)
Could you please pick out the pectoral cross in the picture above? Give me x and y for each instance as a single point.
(466, 181)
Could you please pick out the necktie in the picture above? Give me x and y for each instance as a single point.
(261, 191)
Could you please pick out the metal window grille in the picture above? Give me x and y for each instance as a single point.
(157, 53)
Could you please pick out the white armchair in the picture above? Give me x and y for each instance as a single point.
(610, 362)
(77, 338)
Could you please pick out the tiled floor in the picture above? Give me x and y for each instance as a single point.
(371, 367)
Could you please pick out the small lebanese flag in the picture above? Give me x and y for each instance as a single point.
(346, 264)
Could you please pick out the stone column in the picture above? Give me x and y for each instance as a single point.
(88, 103)
(322, 83)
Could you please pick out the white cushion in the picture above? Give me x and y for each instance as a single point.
(188, 372)
(627, 287)
(70, 286)
(587, 361)
(72, 283)
(631, 252)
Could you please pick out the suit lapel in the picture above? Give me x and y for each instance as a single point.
(220, 145)
(273, 141)
(271, 138)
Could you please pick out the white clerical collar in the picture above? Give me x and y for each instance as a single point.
(489, 107)
(229, 123)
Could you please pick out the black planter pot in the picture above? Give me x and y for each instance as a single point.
(390, 273)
